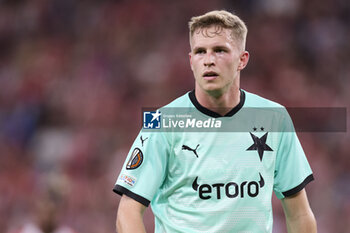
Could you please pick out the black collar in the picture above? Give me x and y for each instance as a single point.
(215, 114)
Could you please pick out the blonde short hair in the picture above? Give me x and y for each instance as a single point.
(223, 19)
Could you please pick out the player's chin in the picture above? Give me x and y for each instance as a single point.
(213, 88)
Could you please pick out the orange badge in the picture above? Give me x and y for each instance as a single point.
(135, 160)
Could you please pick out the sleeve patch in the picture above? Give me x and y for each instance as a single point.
(128, 179)
(135, 160)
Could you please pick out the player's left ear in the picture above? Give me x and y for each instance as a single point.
(243, 60)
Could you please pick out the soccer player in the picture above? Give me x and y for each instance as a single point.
(217, 181)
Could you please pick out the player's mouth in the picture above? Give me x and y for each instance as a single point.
(210, 75)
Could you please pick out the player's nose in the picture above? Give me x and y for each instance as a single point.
(209, 59)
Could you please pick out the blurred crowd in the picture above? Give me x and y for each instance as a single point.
(74, 76)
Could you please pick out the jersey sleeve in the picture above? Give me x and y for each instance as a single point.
(292, 170)
(144, 169)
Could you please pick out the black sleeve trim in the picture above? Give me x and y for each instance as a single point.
(299, 187)
(121, 190)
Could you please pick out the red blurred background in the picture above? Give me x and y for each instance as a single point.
(74, 76)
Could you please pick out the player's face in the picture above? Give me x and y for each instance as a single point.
(216, 59)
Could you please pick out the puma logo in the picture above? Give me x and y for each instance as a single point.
(184, 147)
(143, 140)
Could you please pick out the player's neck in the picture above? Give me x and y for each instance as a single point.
(220, 103)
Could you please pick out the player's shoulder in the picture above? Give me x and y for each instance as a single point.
(256, 101)
(268, 108)
(182, 101)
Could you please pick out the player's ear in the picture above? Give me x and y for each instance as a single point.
(243, 60)
(190, 57)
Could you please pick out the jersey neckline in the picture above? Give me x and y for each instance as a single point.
(211, 113)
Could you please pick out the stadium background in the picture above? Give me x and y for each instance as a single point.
(74, 76)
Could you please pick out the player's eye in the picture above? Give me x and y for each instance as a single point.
(200, 51)
(220, 50)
